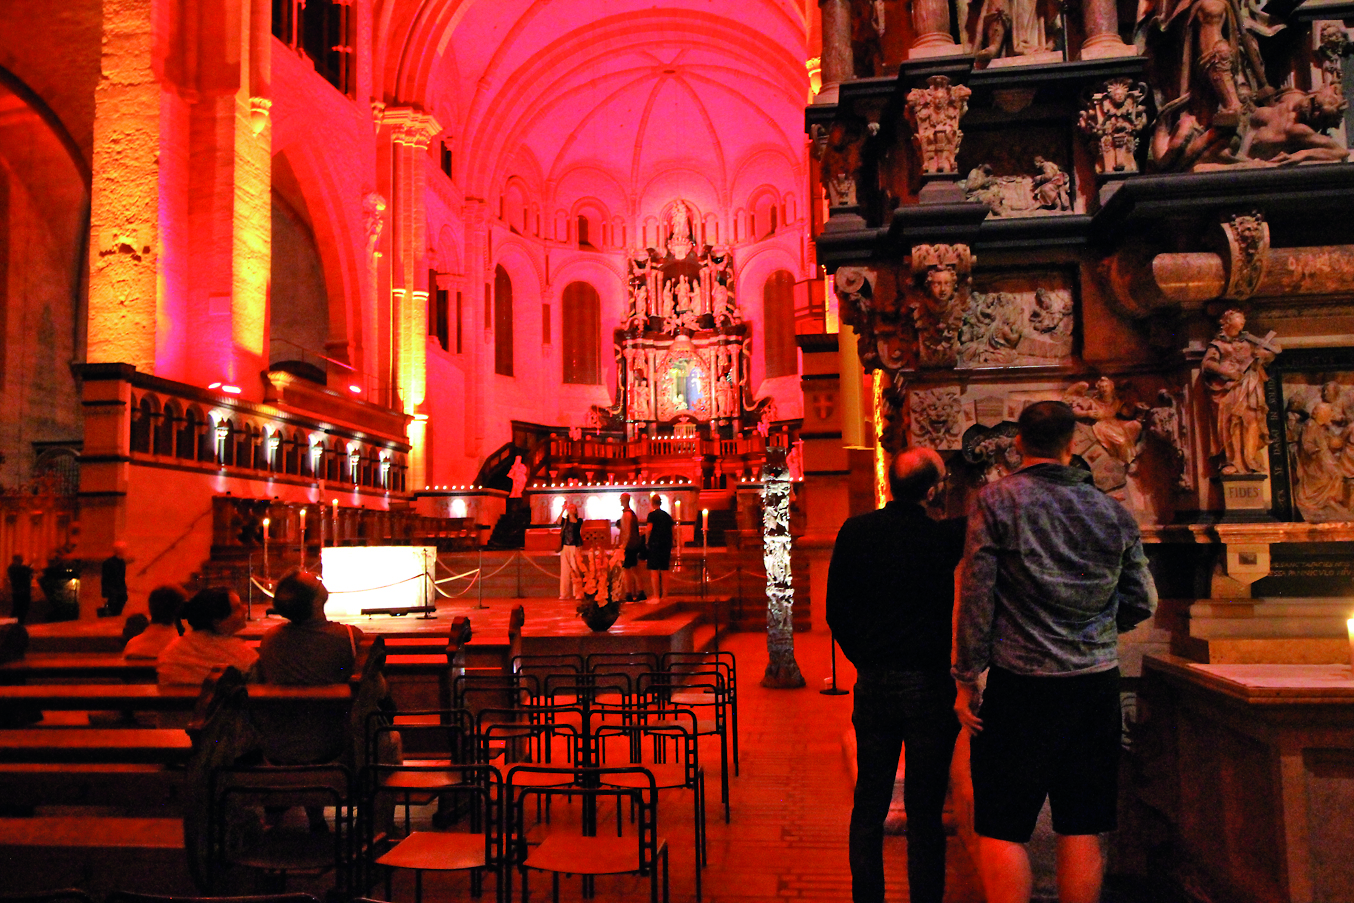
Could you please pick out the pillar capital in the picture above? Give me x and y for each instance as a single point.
(410, 127)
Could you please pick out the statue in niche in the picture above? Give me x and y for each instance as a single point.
(726, 389)
(1116, 425)
(934, 113)
(941, 273)
(1321, 448)
(518, 475)
(1234, 374)
(1114, 116)
(374, 211)
(683, 295)
(1166, 422)
(936, 419)
(843, 142)
(1331, 52)
(1013, 28)
(668, 308)
(680, 239)
(867, 28)
(641, 397)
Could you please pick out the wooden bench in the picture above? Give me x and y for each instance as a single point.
(83, 666)
(153, 698)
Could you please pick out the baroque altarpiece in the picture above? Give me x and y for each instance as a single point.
(684, 347)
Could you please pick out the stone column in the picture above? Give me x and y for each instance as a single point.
(931, 22)
(838, 65)
(410, 132)
(1100, 18)
(125, 188)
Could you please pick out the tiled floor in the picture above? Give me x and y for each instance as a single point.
(791, 805)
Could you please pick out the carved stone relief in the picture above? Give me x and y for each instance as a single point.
(1319, 421)
(1048, 190)
(1109, 432)
(1248, 245)
(1018, 321)
(841, 145)
(992, 450)
(937, 419)
(1233, 372)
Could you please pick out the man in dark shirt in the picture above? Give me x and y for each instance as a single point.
(20, 589)
(890, 596)
(660, 544)
(114, 582)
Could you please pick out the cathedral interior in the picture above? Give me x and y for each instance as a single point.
(279, 280)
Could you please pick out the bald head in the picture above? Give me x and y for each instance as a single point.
(913, 473)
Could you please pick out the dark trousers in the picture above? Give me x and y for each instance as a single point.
(897, 711)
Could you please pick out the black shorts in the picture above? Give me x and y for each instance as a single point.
(1058, 737)
(632, 557)
(659, 559)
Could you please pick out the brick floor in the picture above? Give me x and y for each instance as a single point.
(791, 805)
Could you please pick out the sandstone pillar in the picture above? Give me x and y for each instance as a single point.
(1100, 18)
(931, 22)
(410, 132)
(125, 189)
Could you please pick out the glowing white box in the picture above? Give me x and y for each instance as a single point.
(377, 577)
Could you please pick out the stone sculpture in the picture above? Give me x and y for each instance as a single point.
(1114, 117)
(934, 113)
(1028, 30)
(1049, 190)
(992, 450)
(1331, 52)
(1018, 321)
(842, 144)
(1115, 425)
(1233, 371)
(941, 277)
(936, 418)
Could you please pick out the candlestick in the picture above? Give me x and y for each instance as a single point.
(1349, 625)
(303, 539)
(266, 522)
(336, 522)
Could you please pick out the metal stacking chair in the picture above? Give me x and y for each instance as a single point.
(631, 663)
(532, 734)
(586, 853)
(477, 850)
(583, 690)
(543, 664)
(668, 749)
(699, 661)
(280, 850)
(430, 738)
(477, 691)
(704, 691)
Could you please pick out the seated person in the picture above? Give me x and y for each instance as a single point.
(165, 603)
(309, 650)
(215, 615)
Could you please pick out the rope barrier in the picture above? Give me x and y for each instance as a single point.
(468, 573)
(263, 589)
(537, 566)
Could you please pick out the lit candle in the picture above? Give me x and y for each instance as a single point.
(705, 521)
(1349, 625)
(303, 537)
(678, 506)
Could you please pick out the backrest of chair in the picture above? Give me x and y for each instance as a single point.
(662, 684)
(717, 658)
(436, 733)
(475, 691)
(673, 726)
(589, 783)
(121, 896)
(632, 663)
(543, 726)
(541, 665)
(479, 781)
(586, 687)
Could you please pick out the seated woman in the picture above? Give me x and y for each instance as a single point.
(165, 603)
(215, 615)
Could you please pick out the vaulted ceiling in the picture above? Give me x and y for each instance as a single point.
(625, 100)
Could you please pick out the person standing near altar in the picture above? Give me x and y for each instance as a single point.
(660, 544)
(570, 547)
(632, 543)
